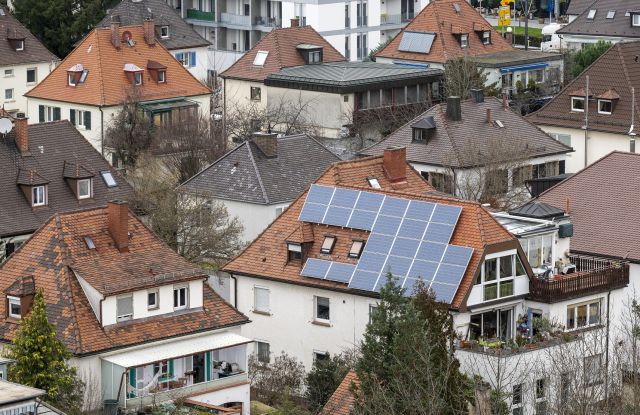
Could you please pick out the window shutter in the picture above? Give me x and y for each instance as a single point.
(262, 299)
(171, 369)
(72, 116)
(179, 56)
(207, 366)
(41, 113)
(56, 113)
(132, 381)
(87, 120)
(192, 59)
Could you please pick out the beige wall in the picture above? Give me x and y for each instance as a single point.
(17, 81)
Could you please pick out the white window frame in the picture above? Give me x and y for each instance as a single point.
(499, 280)
(164, 32)
(11, 96)
(374, 182)
(517, 407)
(87, 195)
(589, 304)
(279, 210)
(8, 73)
(108, 178)
(162, 77)
(486, 37)
(137, 78)
(577, 99)
(156, 304)
(125, 316)
(260, 58)
(563, 138)
(317, 353)
(592, 14)
(14, 300)
(527, 247)
(265, 291)
(372, 308)
(635, 20)
(464, 41)
(39, 195)
(600, 111)
(35, 71)
(315, 309)
(71, 79)
(48, 113)
(80, 119)
(178, 306)
(186, 59)
(20, 45)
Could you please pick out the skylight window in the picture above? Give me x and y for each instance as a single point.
(260, 58)
(328, 244)
(107, 176)
(373, 182)
(611, 14)
(499, 124)
(592, 14)
(356, 249)
(89, 241)
(456, 7)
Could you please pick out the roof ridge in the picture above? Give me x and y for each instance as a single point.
(258, 175)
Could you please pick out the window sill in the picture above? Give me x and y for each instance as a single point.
(263, 313)
(31, 83)
(154, 308)
(321, 323)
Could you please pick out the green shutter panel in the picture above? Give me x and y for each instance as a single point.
(171, 369)
(87, 120)
(207, 366)
(192, 60)
(72, 116)
(132, 381)
(56, 114)
(40, 113)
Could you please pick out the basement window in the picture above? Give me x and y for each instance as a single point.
(14, 308)
(328, 244)
(356, 249)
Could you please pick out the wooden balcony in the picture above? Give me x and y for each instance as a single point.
(591, 276)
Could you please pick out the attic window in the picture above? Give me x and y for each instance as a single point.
(89, 241)
(328, 244)
(456, 7)
(19, 45)
(499, 123)
(311, 54)
(164, 32)
(260, 58)
(374, 183)
(294, 252)
(137, 78)
(162, 77)
(611, 14)
(39, 196)
(356, 249)
(605, 106)
(592, 14)
(315, 57)
(107, 176)
(464, 41)
(635, 20)
(133, 73)
(577, 104)
(14, 310)
(423, 130)
(486, 37)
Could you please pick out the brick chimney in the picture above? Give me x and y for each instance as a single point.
(394, 163)
(149, 31)
(505, 103)
(295, 22)
(22, 133)
(118, 217)
(267, 143)
(115, 33)
(489, 118)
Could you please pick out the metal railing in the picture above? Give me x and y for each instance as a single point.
(235, 19)
(201, 15)
(267, 21)
(395, 19)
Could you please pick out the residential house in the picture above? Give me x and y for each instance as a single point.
(4, 367)
(49, 168)
(108, 67)
(342, 399)
(142, 324)
(451, 29)
(603, 121)
(259, 178)
(24, 62)
(576, 8)
(176, 35)
(609, 20)
(461, 146)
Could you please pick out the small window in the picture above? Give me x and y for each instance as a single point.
(19, 45)
(486, 37)
(577, 104)
(152, 300)
(164, 32)
(322, 309)
(315, 57)
(563, 138)
(593, 370)
(8, 73)
(516, 398)
(14, 307)
(137, 78)
(279, 211)
(32, 76)
(541, 388)
(83, 76)
(71, 76)
(124, 308)
(321, 356)
(632, 145)
(256, 93)
(419, 134)
(345, 98)
(294, 252)
(261, 299)
(374, 183)
(39, 196)
(162, 77)
(264, 355)
(8, 94)
(260, 58)
(592, 14)
(464, 41)
(84, 188)
(328, 244)
(611, 14)
(109, 181)
(180, 298)
(605, 106)
(635, 20)
(356, 249)
(372, 309)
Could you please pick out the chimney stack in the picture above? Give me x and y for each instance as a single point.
(394, 164)
(149, 31)
(454, 112)
(478, 95)
(267, 143)
(505, 104)
(115, 33)
(489, 118)
(118, 216)
(22, 133)
(295, 22)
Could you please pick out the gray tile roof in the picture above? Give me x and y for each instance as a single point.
(130, 13)
(538, 210)
(245, 174)
(619, 26)
(51, 145)
(447, 146)
(515, 57)
(34, 51)
(577, 7)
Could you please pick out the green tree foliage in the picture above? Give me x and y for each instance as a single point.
(587, 55)
(41, 360)
(407, 364)
(59, 24)
(324, 378)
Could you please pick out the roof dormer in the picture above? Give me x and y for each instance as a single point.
(76, 75)
(423, 130)
(16, 41)
(483, 32)
(34, 187)
(157, 71)
(312, 54)
(461, 34)
(133, 73)
(79, 179)
(607, 101)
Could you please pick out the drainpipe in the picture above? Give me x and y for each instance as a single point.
(586, 122)
(235, 290)
(102, 132)
(606, 356)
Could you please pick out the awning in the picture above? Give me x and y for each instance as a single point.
(523, 67)
(174, 349)
(163, 106)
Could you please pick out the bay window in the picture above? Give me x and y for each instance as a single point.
(497, 276)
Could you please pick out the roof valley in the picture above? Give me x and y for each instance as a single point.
(258, 175)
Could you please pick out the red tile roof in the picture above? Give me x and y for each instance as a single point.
(341, 402)
(281, 45)
(440, 17)
(57, 253)
(266, 256)
(106, 82)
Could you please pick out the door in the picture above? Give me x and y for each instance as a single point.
(246, 9)
(198, 368)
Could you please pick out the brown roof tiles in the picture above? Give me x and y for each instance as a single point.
(341, 401)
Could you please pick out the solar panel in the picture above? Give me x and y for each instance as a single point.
(397, 266)
(444, 292)
(412, 228)
(405, 247)
(320, 194)
(457, 255)
(363, 280)
(372, 262)
(423, 269)
(446, 214)
(387, 225)
(340, 272)
(313, 212)
(409, 286)
(420, 210)
(379, 243)
(369, 201)
(419, 42)
(362, 219)
(344, 198)
(431, 251)
(394, 206)
(437, 232)
(337, 216)
(315, 268)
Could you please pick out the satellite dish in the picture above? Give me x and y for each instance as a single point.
(5, 125)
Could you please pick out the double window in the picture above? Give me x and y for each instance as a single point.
(180, 298)
(124, 308)
(39, 195)
(261, 303)
(48, 113)
(80, 118)
(322, 309)
(497, 276)
(14, 308)
(494, 324)
(583, 315)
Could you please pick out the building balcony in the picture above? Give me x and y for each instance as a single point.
(583, 276)
(266, 21)
(235, 20)
(196, 14)
(395, 19)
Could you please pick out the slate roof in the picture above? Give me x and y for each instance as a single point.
(342, 399)
(602, 198)
(57, 252)
(52, 145)
(34, 50)
(441, 18)
(615, 71)
(106, 83)
(619, 26)
(538, 210)
(134, 12)
(266, 256)
(577, 7)
(281, 44)
(451, 140)
(245, 174)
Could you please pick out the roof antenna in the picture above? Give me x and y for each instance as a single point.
(633, 112)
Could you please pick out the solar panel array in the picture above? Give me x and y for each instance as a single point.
(409, 239)
(419, 42)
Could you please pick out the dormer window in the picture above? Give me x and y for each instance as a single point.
(423, 130)
(157, 72)
(72, 79)
(635, 19)
(315, 57)
(328, 244)
(486, 37)
(162, 77)
(137, 78)
(577, 104)
(124, 308)
(39, 195)
(84, 188)
(14, 308)
(312, 54)
(19, 45)
(76, 75)
(464, 41)
(164, 32)
(133, 73)
(605, 106)
(294, 252)
(356, 249)
(374, 183)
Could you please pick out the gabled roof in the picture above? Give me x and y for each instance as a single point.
(342, 399)
(245, 174)
(106, 82)
(577, 7)
(440, 17)
(600, 25)
(57, 256)
(53, 146)
(134, 12)
(601, 199)
(449, 145)
(616, 70)
(266, 256)
(34, 51)
(281, 45)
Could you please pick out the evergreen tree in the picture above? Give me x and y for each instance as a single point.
(41, 360)
(587, 55)
(324, 378)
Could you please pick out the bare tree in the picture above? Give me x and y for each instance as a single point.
(462, 75)
(271, 380)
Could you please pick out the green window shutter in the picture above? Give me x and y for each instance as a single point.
(192, 59)
(40, 113)
(87, 120)
(207, 366)
(56, 114)
(72, 116)
(171, 369)
(132, 380)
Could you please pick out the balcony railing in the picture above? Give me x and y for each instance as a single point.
(395, 19)
(235, 19)
(267, 21)
(591, 276)
(201, 15)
